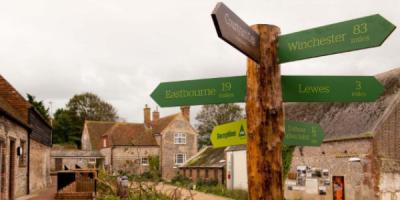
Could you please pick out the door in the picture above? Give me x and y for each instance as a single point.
(338, 187)
(11, 181)
(59, 166)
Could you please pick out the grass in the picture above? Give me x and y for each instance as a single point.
(211, 187)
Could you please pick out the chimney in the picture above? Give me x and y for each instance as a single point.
(186, 112)
(147, 121)
(156, 117)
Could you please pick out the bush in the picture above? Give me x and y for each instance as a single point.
(180, 180)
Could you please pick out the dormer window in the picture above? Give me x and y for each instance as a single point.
(180, 138)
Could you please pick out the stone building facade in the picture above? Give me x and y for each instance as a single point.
(361, 148)
(127, 147)
(13, 135)
(33, 149)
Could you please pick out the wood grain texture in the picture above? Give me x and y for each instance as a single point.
(265, 119)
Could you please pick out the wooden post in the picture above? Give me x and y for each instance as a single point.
(265, 119)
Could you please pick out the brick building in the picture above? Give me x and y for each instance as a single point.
(361, 149)
(127, 147)
(25, 144)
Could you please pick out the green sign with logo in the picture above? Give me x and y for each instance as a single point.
(296, 133)
(294, 89)
(230, 134)
(361, 33)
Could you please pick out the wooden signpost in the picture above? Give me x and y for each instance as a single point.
(264, 89)
(294, 89)
(296, 134)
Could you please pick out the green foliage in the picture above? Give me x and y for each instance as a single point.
(154, 163)
(39, 106)
(287, 155)
(221, 190)
(68, 122)
(213, 115)
(209, 186)
(107, 189)
(88, 106)
(66, 130)
(181, 181)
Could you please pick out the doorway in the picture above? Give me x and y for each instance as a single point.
(11, 181)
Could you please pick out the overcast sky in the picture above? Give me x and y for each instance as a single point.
(121, 50)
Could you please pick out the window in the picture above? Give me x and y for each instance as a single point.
(145, 161)
(104, 142)
(180, 158)
(22, 153)
(180, 138)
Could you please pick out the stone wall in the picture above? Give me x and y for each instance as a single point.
(359, 177)
(39, 166)
(387, 136)
(9, 131)
(169, 149)
(389, 186)
(128, 158)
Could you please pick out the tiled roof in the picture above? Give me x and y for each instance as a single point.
(96, 129)
(349, 120)
(16, 100)
(163, 123)
(208, 157)
(11, 112)
(75, 153)
(122, 133)
(130, 134)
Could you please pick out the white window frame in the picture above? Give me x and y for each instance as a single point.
(180, 138)
(183, 158)
(144, 163)
(104, 142)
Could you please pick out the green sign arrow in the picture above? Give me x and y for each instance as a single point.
(361, 33)
(330, 88)
(200, 92)
(296, 133)
(295, 89)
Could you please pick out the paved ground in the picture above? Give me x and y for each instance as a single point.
(47, 194)
(186, 194)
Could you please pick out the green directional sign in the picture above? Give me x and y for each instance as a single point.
(330, 88)
(296, 133)
(361, 33)
(303, 134)
(230, 134)
(200, 92)
(294, 89)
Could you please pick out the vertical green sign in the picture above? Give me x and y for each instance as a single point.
(296, 133)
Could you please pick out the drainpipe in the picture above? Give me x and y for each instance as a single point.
(111, 159)
(28, 154)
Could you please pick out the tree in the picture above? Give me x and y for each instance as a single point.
(66, 129)
(213, 115)
(68, 122)
(88, 106)
(39, 106)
